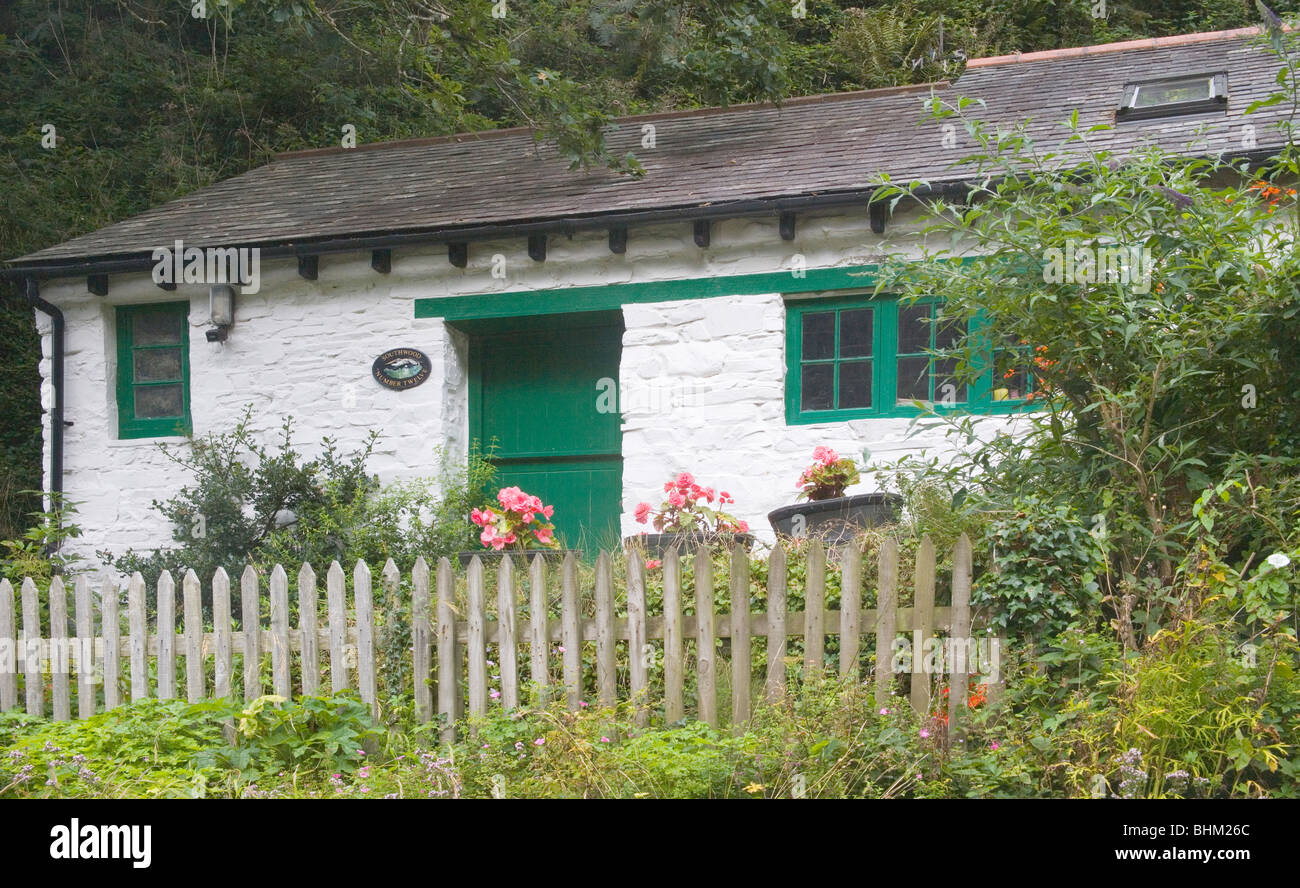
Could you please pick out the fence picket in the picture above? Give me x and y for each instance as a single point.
(815, 608)
(194, 671)
(922, 622)
(223, 673)
(166, 627)
(477, 646)
(59, 661)
(507, 651)
(364, 602)
(85, 648)
(112, 630)
(8, 650)
(570, 631)
(448, 661)
(336, 593)
(706, 646)
(539, 636)
(250, 599)
(850, 607)
(421, 640)
(674, 641)
(776, 627)
(308, 602)
(958, 634)
(886, 620)
(639, 651)
(35, 681)
(606, 689)
(280, 633)
(138, 638)
(741, 666)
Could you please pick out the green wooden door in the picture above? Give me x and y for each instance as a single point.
(545, 395)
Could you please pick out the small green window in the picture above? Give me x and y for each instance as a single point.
(153, 370)
(858, 357)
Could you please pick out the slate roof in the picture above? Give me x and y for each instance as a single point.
(815, 145)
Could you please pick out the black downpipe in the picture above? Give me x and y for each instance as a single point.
(56, 380)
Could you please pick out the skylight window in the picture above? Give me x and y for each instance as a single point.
(1194, 94)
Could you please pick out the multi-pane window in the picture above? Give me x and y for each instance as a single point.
(859, 356)
(838, 347)
(153, 397)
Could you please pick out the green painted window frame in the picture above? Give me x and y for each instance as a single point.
(128, 424)
(884, 381)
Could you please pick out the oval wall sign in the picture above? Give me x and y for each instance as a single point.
(401, 368)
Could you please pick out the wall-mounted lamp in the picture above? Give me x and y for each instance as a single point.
(221, 306)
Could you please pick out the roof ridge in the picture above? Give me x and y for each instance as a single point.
(478, 135)
(1120, 46)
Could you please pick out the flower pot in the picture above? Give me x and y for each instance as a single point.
(656, 544)
(522, 558)
(835, 521)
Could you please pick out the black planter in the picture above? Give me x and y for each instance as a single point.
(835, 521)
(522, 559)
(656, 544)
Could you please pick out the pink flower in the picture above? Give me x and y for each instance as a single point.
(543, 535)
(642, 513)
(540, 741)
(548, 511)
(685, 480)
(825, 455)
(604, 739)
(994, 746)
(925, 732)
(677, 499)
(495, 694)
(652, 563)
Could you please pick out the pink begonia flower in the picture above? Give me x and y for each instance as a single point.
(642, 513)
(543, 535)
(677, 498)
(685, 480)
(548, 511)
(652, 563)
(742, 527)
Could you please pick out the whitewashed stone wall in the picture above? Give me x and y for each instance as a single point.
(304, 349)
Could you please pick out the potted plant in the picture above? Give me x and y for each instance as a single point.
(689, 517)
(517, 524)
(828, 514)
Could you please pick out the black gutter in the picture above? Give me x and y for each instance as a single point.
(56, 380)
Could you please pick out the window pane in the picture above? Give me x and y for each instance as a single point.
(1010, 379)
(855, 384)
(158, 401)
(947, 387)
(816, 392)
(948, 335)
(819, 335)
(1189, 89)
(157, 364)
(913, 328)
(856, 333)
(913, 379)
(157, 328)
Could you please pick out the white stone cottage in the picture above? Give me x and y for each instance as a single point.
(724, 294)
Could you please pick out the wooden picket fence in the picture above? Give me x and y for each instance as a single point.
(452, 635)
